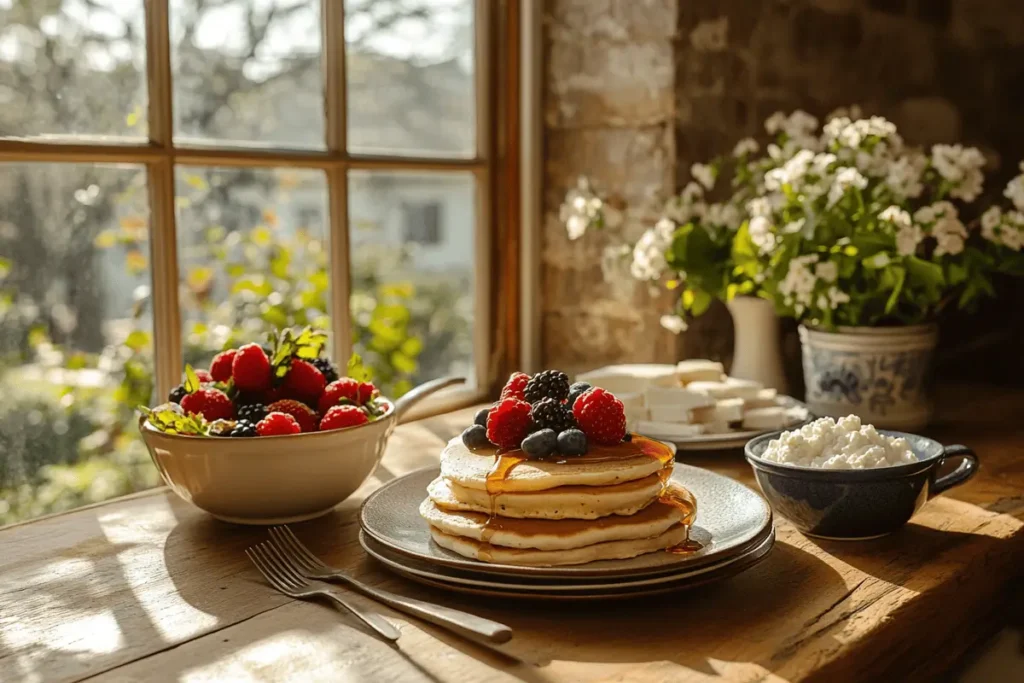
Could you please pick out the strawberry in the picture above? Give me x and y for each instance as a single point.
(366, 392)
(601, 416)
(250, 368)
(277, 424)
(220, 368)
(515, 386)
(212, 404)
(341, 417)
(204, 376)
(344, 388)
(302, 413)
(508, 423)
(303, 382)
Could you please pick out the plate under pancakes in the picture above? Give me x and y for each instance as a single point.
(577, 588)
(730, 517)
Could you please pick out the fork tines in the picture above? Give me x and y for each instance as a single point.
(292, 548)
(278, 572)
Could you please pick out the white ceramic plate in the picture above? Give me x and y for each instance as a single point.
(729, 517)
(731, 440)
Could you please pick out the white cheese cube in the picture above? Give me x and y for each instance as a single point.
(715, 390)
(668, 430)
(765, 418)
(669, 413)
(699, 370)
(676, 396)
(717, 428)
(743, 388)
(766, 398)
(628, 379)
(726, 410)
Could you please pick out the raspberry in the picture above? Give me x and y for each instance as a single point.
(366, 392)
(251, 368)
(212, 404)
(548, 384)
(276, 424)
(508, 422)
(302, 413)
(346, 388)
(220, 368)
(204, 376)
(515, 385)
(601, 416)
(340, 417)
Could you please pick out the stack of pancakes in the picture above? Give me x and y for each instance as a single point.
(613, 503)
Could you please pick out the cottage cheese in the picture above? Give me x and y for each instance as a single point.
(845, 444)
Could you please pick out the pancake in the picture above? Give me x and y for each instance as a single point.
(603, 466)
(554, 534)
(530, 557)
(574, 502)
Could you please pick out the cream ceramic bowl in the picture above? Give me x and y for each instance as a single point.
(276, 479)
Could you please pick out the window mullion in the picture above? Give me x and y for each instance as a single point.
(335, 109)
(163, 231)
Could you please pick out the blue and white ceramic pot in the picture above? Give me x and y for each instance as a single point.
(882, 374)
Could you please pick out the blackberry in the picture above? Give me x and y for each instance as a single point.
(577, 390)
(548, 384)
(252, 412)
(481, 417)
(540, 444)
(328, 369)
(244, 428)
(549, 413)
(177, 393)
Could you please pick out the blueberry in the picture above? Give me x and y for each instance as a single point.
(540, 444)
(576, 390)
(475, 437)
(481, 417)
(572, 442)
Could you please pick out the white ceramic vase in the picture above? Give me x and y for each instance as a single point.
(878, 373)
(757, 354)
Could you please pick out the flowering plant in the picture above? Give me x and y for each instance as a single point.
(843, 226)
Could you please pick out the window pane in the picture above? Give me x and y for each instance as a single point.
(72, 67)
(252, 255)
(412, 248)
(410, 70)
(248, 72)
(75, 336)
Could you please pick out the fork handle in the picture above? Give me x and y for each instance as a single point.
(452, 619)
(375, 621)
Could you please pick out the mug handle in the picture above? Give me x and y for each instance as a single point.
(965, 470)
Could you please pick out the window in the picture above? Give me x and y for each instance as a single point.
(422, 222)
(180, 175)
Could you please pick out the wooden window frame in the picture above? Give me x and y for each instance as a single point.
(494, 167)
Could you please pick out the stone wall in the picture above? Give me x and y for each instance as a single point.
(942, 70)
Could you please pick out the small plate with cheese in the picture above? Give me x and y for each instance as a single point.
(695, 405)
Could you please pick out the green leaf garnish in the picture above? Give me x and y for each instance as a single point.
(356, 369)
(192, 383)
(171, 421)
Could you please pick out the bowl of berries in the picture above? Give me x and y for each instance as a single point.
(273, 434)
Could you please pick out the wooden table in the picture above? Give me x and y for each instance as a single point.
(148, 588)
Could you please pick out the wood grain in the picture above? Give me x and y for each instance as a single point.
(148, 588)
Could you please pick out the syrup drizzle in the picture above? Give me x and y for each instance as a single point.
(676, 496)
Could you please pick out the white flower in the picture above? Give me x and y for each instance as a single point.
(723, 214)
(852, 134)
(793, 227)
(904, 175)
(798, 285)
(760, 229)
(704, 174)
(687, 204)
(879, 260)
(745, 147)
(673, 323)
(990, 220)
(576, 226)
(846, 178)
(790, 173)
(649, 253)
(1013, 237)
(836, 297)
(961, 166)
(907, 239)
(774, 123)
(759, 206)
(827, 271)
(583, 209)
(896, 216)
(1015, 190)
(822, 162)
(950, 234)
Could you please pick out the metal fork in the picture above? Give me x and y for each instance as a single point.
(279, 574)
(455, 620)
